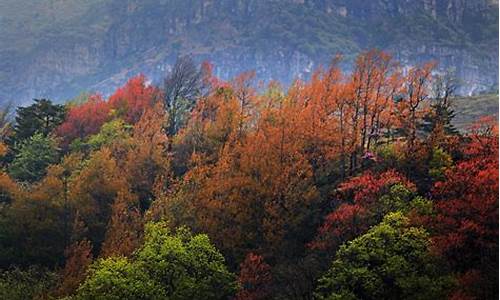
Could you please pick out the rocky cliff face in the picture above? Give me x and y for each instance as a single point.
(98, 45)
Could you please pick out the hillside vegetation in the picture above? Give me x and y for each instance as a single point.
(344, 186)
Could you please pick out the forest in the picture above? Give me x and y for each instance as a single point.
(348, 185)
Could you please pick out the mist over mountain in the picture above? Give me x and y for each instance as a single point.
(59, 48)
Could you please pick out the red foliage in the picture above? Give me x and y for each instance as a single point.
(345, 223)
(466, 224)
(465, 281)
(128, 102)
(468, 206)
(351, 220)
(84, 119)
(255, 278)
(368, 187)
(131, 100)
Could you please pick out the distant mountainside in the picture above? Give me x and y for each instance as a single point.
(468, 110)
(58, 48)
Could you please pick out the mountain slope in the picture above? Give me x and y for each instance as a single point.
(57, 48)
(469, 110)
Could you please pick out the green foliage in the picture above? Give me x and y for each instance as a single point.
(391, 156)
(40, 117)
(440, 161)
(118, 278)
(189, 266)
(115, 130)
(266, 186)
(422, 206)
(78, 145)
(391, 261)
(33, 157)
(167, 266)
(398, 199)
(17, 284)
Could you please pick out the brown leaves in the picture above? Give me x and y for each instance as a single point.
(79, 257)
(124, 232)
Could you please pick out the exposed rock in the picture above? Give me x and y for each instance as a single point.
(111, 40)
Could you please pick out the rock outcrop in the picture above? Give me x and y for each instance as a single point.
(98, 45)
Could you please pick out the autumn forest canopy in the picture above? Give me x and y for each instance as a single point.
(345, 186)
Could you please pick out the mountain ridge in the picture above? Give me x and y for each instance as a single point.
(60, 48)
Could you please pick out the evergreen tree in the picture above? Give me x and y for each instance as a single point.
(41, 117)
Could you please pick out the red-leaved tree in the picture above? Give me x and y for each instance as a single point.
(353, 217)
(84, 119)
(255, 278)
(131, 100)
(467, 216)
